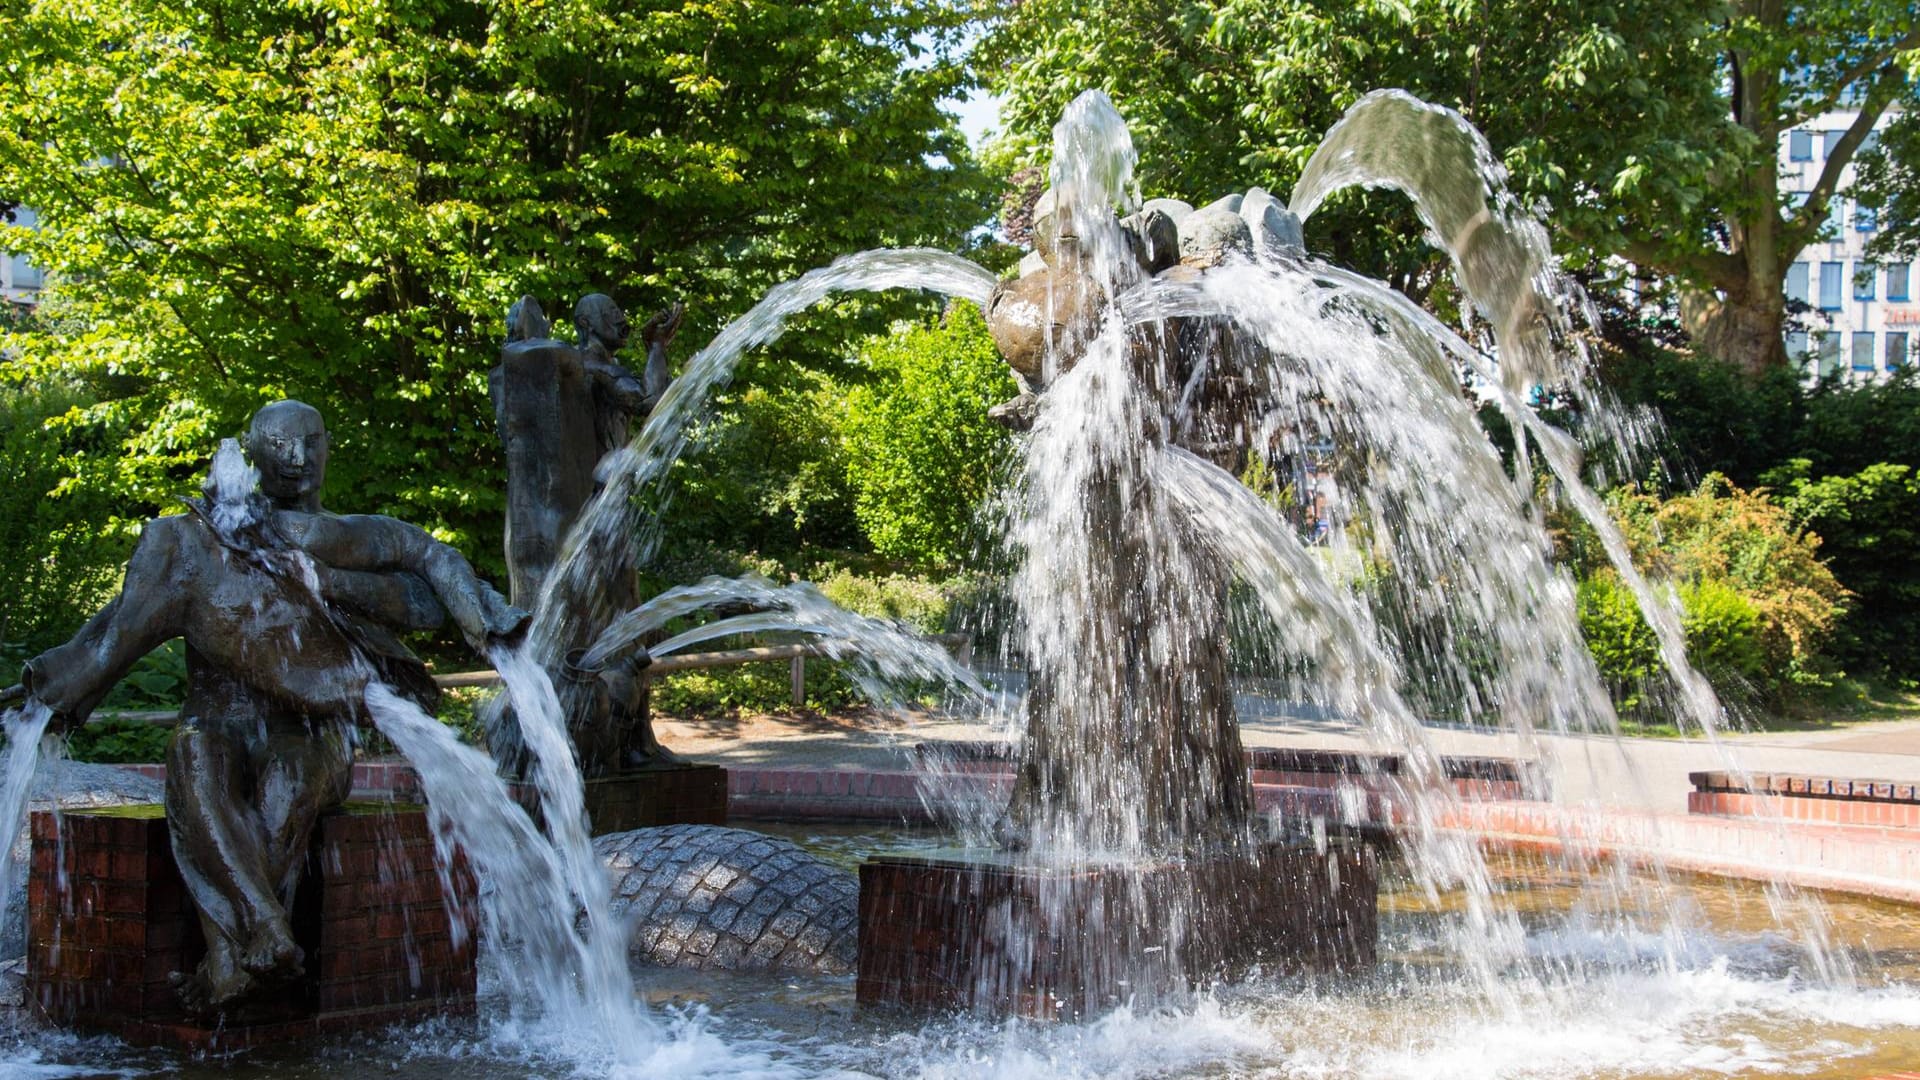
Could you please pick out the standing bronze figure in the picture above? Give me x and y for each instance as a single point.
(561, 409)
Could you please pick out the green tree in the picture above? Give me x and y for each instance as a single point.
(1649, 127)
(922, 454)
(336, 202)
(1888, 182)
(61, 545)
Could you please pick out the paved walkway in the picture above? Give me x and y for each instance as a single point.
(1620, 796)
(1647, 774)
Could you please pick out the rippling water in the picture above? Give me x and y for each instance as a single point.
(1627, 1001)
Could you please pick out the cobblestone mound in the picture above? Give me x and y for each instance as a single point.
(713, 898)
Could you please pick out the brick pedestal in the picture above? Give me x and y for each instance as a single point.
(686, 794)
(982, 931)
(109, 921)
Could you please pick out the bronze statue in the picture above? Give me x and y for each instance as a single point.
(560, 410)
(288, 613)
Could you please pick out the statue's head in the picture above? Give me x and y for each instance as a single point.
(287, 442)
(597, 318)
(525, 320)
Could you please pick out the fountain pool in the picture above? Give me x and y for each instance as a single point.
(1719, 993)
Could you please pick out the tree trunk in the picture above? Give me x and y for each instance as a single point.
(1745, 328)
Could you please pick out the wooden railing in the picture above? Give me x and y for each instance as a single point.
(961, 645)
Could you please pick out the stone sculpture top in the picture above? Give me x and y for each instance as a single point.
(288, 614)
(1162, 717)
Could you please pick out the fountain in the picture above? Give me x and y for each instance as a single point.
(1132, 876)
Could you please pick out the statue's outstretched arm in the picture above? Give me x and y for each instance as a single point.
(396, 599)
(376, 543)
(72, 678)
(658, 334)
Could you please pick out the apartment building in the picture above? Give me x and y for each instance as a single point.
(1865, 318)
(20, 280)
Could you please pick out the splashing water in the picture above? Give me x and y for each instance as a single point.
(544, 896)
(25, 729)
(680, 601)
(231, 487)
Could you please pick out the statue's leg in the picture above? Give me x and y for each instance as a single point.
(301, 774)
(218, 844)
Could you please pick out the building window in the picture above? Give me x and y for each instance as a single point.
(1865, 218)
(1800, 146)
(1863, 275)
(1836, 216)
(1797, 282)
(1863, 352)
(1830, 141)
(1826, 346)
(1797, 346)
(25, 274)
(1897, 281)
(1896, 351)
(1830, 285)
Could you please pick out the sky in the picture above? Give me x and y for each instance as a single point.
(979, 115)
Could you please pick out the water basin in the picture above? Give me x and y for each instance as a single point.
(1715, 989)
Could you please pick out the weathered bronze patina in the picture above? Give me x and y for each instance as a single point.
(288, 613)
(561, 409)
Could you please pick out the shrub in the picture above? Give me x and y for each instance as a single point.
(920, 603)
(1715, 417)
(1745, 540)
(1722, 630)
(1723, 636)
(752, 688)
(1622, 644)
(1870, 524)
(922, 454)
(766, 473)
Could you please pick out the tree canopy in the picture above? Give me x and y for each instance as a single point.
(337, 202)
(1647, 128)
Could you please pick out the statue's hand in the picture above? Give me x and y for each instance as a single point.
(507, 625)
(63, 722)
(660, 329)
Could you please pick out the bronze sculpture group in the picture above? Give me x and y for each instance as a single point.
(289, 612)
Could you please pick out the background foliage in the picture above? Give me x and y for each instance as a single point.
(241, 201)
(922, 455)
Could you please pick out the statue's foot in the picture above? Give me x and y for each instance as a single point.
(211, 986)
(272, 955)
(652, 757)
